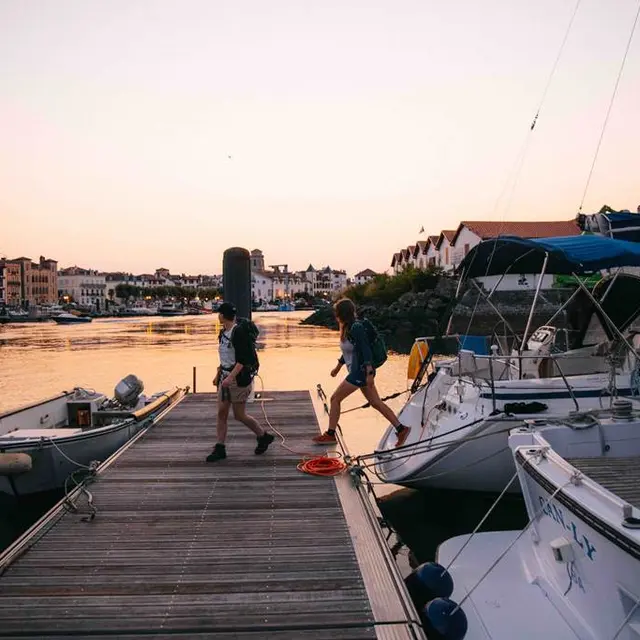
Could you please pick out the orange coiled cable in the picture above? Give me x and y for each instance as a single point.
(322, 465)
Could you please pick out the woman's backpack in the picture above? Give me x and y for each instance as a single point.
(376, 342)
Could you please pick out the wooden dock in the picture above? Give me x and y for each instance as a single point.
(247, 548)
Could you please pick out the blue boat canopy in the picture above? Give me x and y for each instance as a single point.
(567, 254)
(621, 225)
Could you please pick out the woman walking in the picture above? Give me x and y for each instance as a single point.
(357, 355)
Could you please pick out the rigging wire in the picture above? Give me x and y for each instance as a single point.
(520, 158)
(613, 97)
(555, 65)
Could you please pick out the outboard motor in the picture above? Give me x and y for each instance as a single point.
(539, 345)
(128, 390)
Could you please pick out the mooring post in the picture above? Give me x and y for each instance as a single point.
(194, 379)
(236, 279)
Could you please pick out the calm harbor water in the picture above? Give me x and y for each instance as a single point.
(40, 360)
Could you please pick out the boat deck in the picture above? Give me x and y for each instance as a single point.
(247, 548)
(618, 475)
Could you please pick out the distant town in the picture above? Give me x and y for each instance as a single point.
(26, 284)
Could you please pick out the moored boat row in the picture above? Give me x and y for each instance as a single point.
(555, 421)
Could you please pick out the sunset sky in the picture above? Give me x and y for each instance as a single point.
(349, 124)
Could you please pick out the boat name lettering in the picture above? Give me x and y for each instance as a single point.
(575, 577)
(556, 513)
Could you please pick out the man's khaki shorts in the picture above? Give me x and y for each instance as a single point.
(234, 393)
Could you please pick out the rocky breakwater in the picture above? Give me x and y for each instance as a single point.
(426, 313)
(413, 314)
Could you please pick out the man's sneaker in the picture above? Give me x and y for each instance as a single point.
(403, 434)
(325, 438)
(219, 453)
(263, 442)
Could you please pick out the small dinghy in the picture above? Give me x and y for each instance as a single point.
(42, 444)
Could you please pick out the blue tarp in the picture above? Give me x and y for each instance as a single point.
(567, 254)
(477, 344)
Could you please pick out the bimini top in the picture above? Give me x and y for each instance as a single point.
(621, 225)
(567, 255)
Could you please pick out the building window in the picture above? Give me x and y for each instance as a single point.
(466, 248)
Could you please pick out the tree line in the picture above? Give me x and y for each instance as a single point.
(131, 291)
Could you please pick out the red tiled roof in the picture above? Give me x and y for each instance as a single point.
(449, 234)
(421, 246)
(366, 273)
(395, 259)
(433, 239)
(523, 228)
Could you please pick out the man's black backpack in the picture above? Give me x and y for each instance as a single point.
(253, 332)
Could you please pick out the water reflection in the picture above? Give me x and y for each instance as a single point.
(280, 331)
(39, 359)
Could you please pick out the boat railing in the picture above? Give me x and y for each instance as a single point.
(578, 478)
(487, 375)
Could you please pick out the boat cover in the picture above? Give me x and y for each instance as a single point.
(567, 254)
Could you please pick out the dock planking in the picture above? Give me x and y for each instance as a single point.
(244, 548)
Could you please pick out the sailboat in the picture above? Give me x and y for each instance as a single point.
(460, 417)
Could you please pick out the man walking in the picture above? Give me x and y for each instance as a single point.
(234, 378)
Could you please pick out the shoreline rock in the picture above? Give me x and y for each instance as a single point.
(426, 313)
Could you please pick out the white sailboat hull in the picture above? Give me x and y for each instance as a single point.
(461, 445)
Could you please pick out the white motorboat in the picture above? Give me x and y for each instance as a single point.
(574, 571)
(171, 310)
(460, 417)
(70, 318)
(137, 311)
(42, 444)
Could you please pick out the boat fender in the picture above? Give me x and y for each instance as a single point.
(14, 463)
(444, 620)
(418, 355)
(428, 581)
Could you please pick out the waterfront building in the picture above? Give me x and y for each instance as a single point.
(362, 277)
(26, 283)
(85, 287)
(279, 283)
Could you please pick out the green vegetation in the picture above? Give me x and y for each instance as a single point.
(386, 290)
(589, 281)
